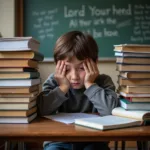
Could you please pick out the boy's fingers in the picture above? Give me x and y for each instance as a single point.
(94, 66)
(89, 65)
(85, 67)
(64, 70)
(61, 67)
(57, 65)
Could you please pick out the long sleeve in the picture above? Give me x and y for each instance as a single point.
(102, 95)
(51, 97)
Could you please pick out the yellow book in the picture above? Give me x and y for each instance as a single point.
(18, 63)
(16, 90)
(135, 89)
(135, 75)
(127, 67)
(132, 48)
(17, 113)
(22, 55)
(129, 60)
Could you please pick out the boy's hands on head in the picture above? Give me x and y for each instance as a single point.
(91, 70)
(60, 76)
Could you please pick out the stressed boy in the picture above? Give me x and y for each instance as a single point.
(77, 85)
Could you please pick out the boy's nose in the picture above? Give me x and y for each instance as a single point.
(74, 75)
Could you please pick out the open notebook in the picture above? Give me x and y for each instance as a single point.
(107, 122)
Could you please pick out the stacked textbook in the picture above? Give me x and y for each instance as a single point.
(19, 79)
(133, 65)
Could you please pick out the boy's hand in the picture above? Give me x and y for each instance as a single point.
(91, 71)
(60, 76)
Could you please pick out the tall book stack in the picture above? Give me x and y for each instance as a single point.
(19, 79)
(133, 65)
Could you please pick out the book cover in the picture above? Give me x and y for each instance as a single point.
(19, 82)
(18, 113)
(132, 48)
(140, 115)
(19, 75)
(17, 106)
(19, 44)
(135, 89)
(134, 105)
(127, 60)
(134, 94)
(32, 94)
(17, 90)
(132, 54)
(18, 69)
(16, 99)
(22, 55)
(135, 68)
(107, 122)
(133, 82)
(18, 119)
(18, 63)
(135, 75)
(138, 99)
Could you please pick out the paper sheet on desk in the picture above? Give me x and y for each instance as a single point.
(68, 118)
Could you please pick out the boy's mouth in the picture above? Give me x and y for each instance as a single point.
(75, 84)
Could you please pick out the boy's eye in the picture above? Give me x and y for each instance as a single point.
(81, 68)
(67, 69)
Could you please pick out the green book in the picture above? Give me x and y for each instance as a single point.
(124, 103)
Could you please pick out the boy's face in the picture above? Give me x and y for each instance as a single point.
(75, 72)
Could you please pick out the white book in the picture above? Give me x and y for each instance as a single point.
(134, 94)
(16, 99)
(107, 122)
(21, 95)
(141, 115)
(133, 45)
(18, 82)
(18, 119)
(132, 54)
(19, 44)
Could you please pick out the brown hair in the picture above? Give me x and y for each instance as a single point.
(76, 43)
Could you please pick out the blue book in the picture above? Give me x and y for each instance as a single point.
(124, 103)
(132, 55)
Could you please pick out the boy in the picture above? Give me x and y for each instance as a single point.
(77, 85)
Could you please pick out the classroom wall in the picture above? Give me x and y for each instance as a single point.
(7, 18)
(7, 23)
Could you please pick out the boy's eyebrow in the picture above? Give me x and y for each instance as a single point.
(80, 63)
(67, 62)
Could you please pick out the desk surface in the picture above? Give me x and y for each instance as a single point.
(45, 129)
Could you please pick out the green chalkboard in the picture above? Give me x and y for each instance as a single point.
(108, 21)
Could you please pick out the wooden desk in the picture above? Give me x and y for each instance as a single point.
(44, 129)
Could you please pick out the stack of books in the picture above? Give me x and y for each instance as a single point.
(19, 79)
(133, 64)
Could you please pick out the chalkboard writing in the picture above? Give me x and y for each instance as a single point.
(108, 21)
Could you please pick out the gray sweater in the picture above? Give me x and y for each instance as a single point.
(100, 97)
